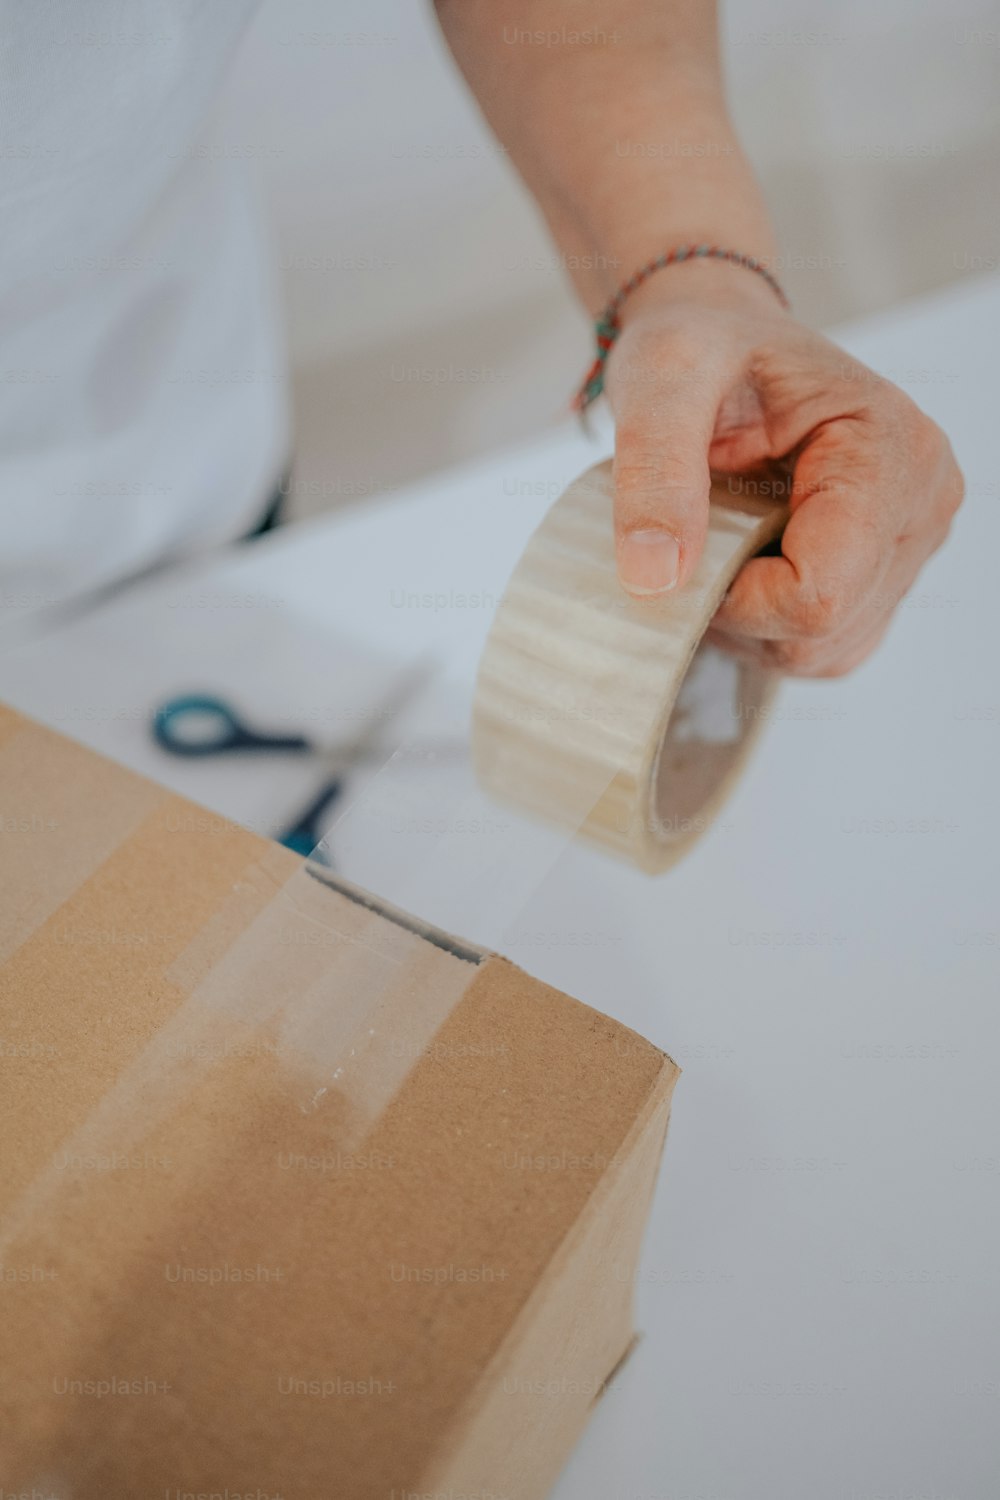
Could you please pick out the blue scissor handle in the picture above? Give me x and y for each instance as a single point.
(213, 728)
(307, 831)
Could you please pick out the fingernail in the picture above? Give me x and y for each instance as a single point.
(649, 561)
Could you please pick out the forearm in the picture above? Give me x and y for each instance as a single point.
(613, 111)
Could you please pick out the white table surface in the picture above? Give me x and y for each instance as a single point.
(817, 1300)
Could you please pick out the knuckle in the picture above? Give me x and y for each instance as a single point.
(953, 489)
(904, 408)
(645, 471)
(818, 615)
(928, 446)
(925, 441)
(947, 491)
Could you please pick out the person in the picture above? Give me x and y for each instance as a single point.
(145, 413)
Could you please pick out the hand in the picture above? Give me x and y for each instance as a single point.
(715, 375)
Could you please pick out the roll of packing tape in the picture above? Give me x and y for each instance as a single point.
(608, 714)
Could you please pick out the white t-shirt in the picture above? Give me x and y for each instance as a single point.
(142, 379)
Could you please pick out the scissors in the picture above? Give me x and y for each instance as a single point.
(197, 725)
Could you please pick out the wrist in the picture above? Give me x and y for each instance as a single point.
(703, 281)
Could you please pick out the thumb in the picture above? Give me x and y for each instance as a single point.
(665, 419)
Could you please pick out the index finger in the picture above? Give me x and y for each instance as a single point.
(835, 550)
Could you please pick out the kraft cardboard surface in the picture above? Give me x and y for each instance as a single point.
(295, 1199)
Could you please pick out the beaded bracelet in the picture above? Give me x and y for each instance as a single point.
(608, 325)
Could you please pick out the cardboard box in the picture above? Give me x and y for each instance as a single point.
(297, 1197)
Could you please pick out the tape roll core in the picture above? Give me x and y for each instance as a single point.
(610, 715)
